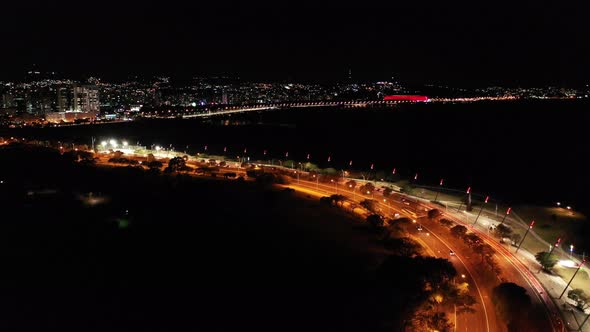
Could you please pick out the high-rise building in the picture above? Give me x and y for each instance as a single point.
(64, 98)
(224, 99)
(85, 98)
(8, 101)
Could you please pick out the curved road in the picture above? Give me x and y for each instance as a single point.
(440, 240)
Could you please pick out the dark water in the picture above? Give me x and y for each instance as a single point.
(515, 151)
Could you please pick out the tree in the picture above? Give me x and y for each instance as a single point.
(176, 164)
(434, 213)
(512, 304)
(310, 167)
(403, 246)
(446, 222)
(367, 188)
(351, 184)
(459, 231)
(503, 231)
(375, 221)
(546, 260)
(472, 240)
(369, 204)
(338, 199)
(580, 297)
(432, 321)
(154, 164)
(484, 250)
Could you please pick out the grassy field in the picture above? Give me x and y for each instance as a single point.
(582, 279)
(556, 222)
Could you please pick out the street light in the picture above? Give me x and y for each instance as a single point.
(440, 184)
(525, 234)
(506, 215)
(571, 250)
(486, 202)
(568, 284)
(460, 205)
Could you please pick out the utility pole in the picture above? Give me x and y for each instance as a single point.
(525, 234)
(584, 322)
(479, 213)
(506, 215)
(568, 284)
(440, 184)
(468, 193)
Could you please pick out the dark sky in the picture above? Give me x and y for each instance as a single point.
(459, 43)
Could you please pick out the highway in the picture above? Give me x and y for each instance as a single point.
(484, 318)
(512, 269)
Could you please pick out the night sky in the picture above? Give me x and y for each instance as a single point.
(462, 44)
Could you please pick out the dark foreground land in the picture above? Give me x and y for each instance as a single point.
(171, 253)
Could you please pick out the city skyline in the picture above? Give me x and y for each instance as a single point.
(516, 45)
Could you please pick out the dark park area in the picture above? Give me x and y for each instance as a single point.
(93, 248)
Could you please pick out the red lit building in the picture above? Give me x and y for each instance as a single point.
(410, 98)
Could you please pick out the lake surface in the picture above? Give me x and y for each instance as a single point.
(532, 151)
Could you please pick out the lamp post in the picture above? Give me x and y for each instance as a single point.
(440, 184)
(571, 250)
(584, 322)
(525, 234)
(460, 205)
(481, 209)
(568, 284)
(506, 215)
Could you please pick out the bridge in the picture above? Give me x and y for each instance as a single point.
(274, 106)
